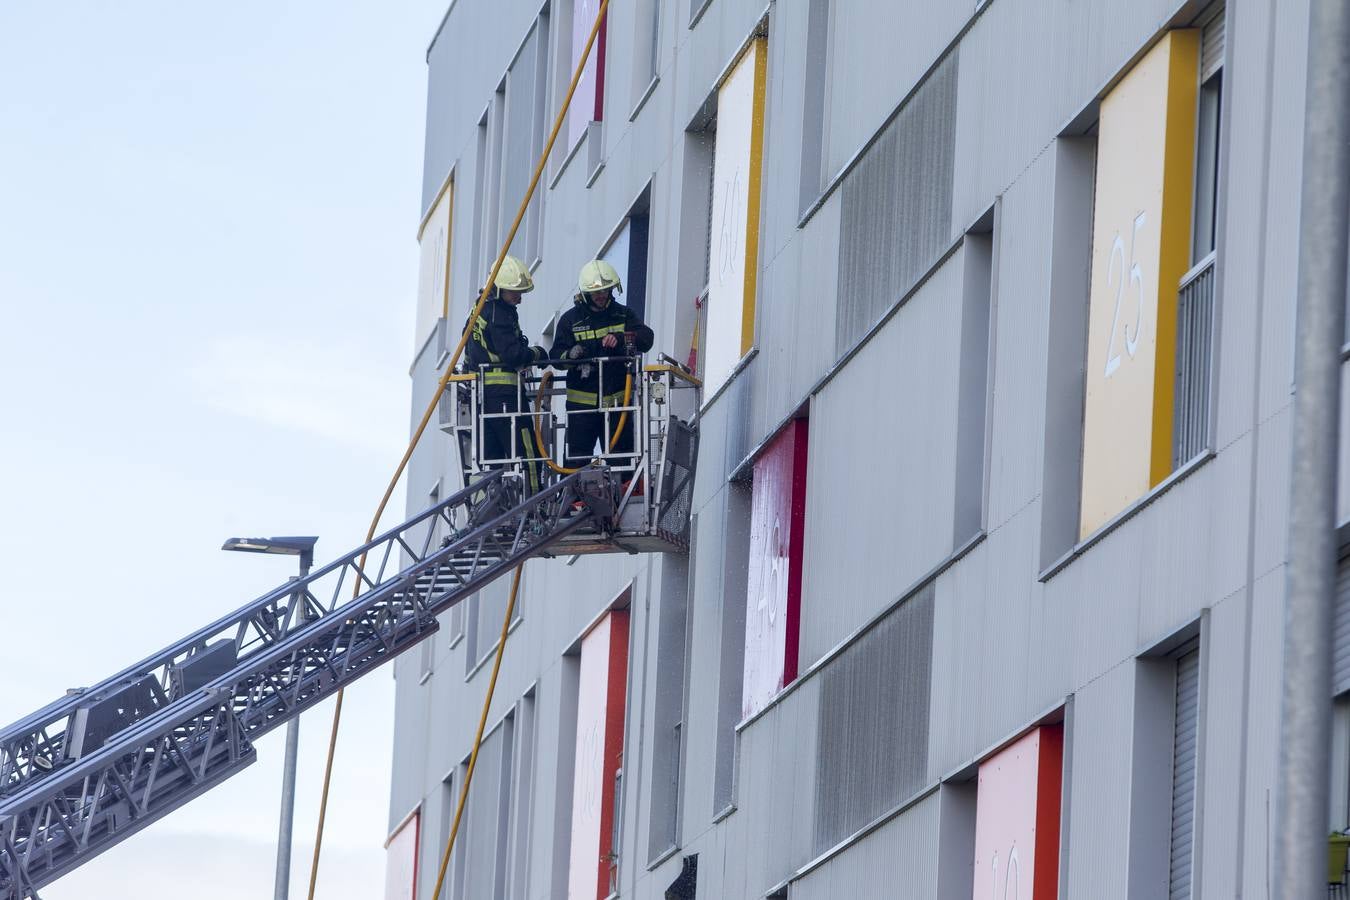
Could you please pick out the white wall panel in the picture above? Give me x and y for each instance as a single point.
(433, 269)
(871, 461)
(735, 215)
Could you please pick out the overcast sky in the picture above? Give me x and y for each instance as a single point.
(208, 220)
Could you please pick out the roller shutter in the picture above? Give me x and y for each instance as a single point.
(1340, 651)
(1183, 773)
(1211, 46)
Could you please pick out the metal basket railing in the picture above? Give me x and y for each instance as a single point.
(656, 471)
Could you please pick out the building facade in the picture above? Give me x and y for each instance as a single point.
(994, 307)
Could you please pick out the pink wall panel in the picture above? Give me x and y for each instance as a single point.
(1017, 819)
(773, 614)
(588, 102)
(400, 860)
(599, 753)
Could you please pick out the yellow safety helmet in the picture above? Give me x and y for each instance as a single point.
(598, 275)
(513, 276)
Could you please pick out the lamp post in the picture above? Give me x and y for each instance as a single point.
(302, 547)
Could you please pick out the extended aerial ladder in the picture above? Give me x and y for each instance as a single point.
(102, 763)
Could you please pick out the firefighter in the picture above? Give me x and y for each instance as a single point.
(597, 326)
(497, 342)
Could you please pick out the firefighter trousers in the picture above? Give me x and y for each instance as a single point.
(509, 436)
(586, 428)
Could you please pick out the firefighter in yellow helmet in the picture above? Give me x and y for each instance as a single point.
(499, 347)
(597, 326)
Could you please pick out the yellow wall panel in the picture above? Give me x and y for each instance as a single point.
(1140, 248)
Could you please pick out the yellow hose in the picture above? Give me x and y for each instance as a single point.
(544, 382)
(435, 402)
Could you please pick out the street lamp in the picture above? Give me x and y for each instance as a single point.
(302, 547)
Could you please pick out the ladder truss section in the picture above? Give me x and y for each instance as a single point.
(65, 730)
(187, 726)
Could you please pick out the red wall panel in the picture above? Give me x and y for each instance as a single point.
(773, 614)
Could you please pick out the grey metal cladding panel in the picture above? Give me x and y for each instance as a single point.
(1027, 67)
(1263, 723)
(897, 206)
(898, 860)
(784, 109)
(492, 602)
(958, 611)
(1340, 660)
(1099, 807)
(705, 654)
(895, 401)
(1176, 544)
(711, 476)
(1243, 228)
(1229, 519)
(519, 153)
(1098, 598)
(462, 71)
(1219, 772)
(704, 52)
(873, 66)
(1031, 655)
(775, 796)
(1272, 491)
(1282, 211)
(409, 745)
(794, 332)
(479, 828)
(872, 734)
(1020, 338)
(1002, 651)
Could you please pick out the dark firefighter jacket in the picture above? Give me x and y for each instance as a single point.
(585, 326)
(496, 340)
